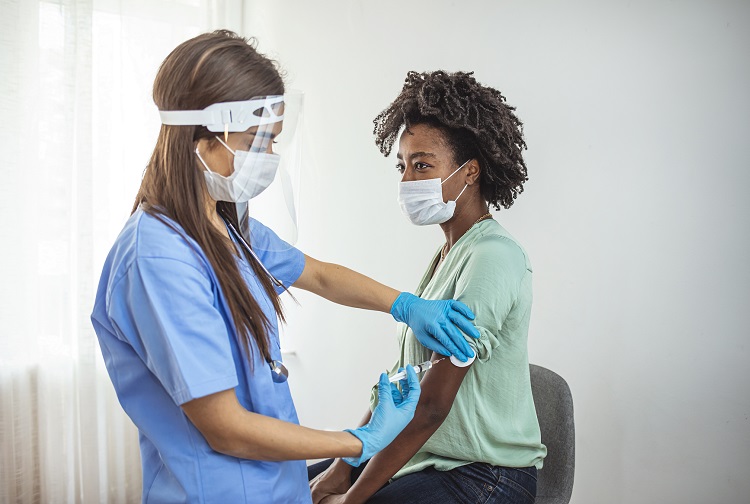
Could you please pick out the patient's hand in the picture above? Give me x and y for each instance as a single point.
(328, 486)
(334, 499)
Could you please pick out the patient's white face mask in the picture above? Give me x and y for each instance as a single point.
(422, 200)
(253, 173)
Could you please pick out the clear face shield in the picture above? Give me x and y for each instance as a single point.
(266, 177)
(277, 207)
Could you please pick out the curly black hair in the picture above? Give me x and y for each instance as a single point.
(475, 121)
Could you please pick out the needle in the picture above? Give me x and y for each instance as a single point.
(419, 368)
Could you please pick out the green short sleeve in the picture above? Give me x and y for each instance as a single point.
(489, 283)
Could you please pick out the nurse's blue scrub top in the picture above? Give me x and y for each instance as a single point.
(168, 337)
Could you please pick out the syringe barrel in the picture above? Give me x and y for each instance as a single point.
(419, 368)
(398, 376)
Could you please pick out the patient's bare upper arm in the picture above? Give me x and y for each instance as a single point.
(440, 386)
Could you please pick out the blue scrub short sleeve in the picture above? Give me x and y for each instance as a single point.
(165, 308)
(280, 258)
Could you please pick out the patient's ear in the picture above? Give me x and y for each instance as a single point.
(472, 172)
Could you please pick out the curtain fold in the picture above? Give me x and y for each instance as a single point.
(77, 125)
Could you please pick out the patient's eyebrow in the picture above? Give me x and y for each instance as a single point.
(415, 155)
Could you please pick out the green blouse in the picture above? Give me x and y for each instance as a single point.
(493, 419)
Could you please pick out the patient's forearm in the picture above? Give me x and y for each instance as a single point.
(439, 388)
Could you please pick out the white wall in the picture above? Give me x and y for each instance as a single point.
(637, 118)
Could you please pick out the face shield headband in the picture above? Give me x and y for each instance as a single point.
(229, 117)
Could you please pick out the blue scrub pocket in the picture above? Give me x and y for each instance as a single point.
(165, 488)
(276, 481)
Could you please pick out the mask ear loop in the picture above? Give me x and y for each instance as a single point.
(197, 153)
(459, 194)
(225, 145)
(449, 176)
(202, 161)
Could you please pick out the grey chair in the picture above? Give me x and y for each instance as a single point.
(554, 408)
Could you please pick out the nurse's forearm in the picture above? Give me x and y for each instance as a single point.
(266, 438)
(231, 429)
(344, 286)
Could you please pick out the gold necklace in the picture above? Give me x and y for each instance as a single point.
(444, 250)
(483, 217)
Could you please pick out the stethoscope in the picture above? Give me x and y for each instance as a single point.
(279, 372)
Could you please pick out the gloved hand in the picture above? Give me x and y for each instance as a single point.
(396, 393)
(388, 419)
(436, 324)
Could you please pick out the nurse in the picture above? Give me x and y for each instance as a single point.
(187, 305)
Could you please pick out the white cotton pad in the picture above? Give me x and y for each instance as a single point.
(458, 363)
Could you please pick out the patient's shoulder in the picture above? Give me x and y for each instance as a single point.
(494, 250)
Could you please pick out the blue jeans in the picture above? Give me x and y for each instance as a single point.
(472, 483)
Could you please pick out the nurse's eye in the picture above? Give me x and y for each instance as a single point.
(420, 166)
(258, 146)
(400, 168)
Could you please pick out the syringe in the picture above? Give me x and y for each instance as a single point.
(419, 368)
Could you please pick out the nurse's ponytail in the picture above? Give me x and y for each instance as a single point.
(211, 68)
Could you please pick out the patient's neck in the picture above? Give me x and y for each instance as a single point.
(463, 219)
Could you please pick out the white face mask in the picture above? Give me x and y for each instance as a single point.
(253, 173)
(422, 200)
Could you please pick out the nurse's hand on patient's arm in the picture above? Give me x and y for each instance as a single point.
(437, 324)
(231, 429)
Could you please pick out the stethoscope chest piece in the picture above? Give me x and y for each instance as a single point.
(279, 373)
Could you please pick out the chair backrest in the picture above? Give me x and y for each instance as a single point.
(554, 409)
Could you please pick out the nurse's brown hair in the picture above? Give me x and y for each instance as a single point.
(210, 68)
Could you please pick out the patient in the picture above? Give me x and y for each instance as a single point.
(475, 435)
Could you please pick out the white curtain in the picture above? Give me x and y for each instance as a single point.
(76, 128)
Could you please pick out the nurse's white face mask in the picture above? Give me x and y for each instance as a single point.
(422, 200)
(253, 173)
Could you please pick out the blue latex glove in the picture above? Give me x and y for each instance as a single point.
(389, 417)
(436, 324)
